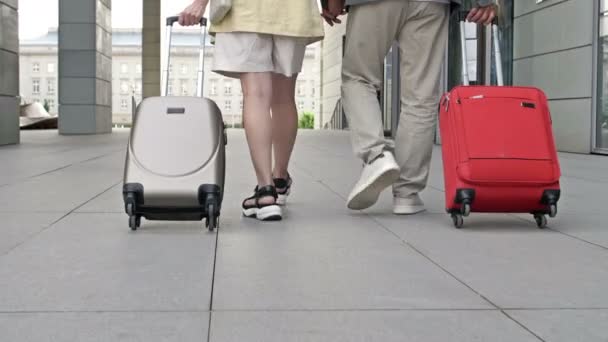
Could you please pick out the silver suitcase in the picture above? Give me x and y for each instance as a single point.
(176, 162)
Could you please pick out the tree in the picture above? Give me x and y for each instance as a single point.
(307, 121)
(47, 106)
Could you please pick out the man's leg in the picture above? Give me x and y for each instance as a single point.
(370, 31)
(422, 41)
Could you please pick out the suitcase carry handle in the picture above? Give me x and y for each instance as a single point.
(174, 19)
(201, 56)
(462, 15)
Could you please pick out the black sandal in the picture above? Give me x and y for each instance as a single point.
(285, 186)
(263, 212)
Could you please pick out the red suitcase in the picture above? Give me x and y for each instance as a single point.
(498, 149)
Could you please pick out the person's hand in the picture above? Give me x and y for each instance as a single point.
(329, 18)
(192, 14)
(334, 10)
(336, 7)
(482, 15)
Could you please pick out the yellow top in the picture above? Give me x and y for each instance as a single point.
(295, 18)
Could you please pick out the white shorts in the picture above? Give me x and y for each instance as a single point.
(241, 52)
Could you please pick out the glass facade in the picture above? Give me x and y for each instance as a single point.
(602, 79)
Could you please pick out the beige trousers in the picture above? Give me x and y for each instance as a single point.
(420, 28)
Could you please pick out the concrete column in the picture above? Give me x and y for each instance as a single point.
(151, 38)
(9, 73)
(85, 67)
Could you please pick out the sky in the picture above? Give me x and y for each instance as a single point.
(36, 16)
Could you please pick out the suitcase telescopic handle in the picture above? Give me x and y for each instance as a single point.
(201, 56)
(174, 19)
(462, 15)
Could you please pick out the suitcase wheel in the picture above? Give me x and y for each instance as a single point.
(465, 210)
(553, 210)
(130, 209)
(134, 222)
(541, 221)
(458, 220)
(212, 217)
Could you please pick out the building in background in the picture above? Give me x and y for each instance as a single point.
(38, 79)
(558, 46)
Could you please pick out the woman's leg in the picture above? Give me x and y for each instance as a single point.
(284, 122)
(257, 97)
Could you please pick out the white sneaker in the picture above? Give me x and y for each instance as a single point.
(409, 205)
(375, 177)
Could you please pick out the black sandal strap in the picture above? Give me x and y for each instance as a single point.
(266, 191)
(283, 183)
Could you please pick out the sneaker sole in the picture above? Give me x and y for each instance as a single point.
(269, 213)
(408, 210)
(369, 193)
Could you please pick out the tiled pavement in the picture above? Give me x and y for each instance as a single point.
(71, 270)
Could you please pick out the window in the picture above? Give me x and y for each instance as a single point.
(184, 69)
(138, 87)
(50, 86)
(138, 68)
(213, 90)
(312, 88)
(241, 105)
(124, 68)
(313, 105)
(124, 104)
(36, 86)
(170, 89)
(184, 88)
(124, 86)
(227, 87)
(300, 87)
(300, 105)
(36, 67)
(51, 104)
(36, 100)
(227, 106)
(50, 67)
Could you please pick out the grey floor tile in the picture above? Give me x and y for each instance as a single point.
(110, 201)
(582, 197)
(44, 151)
(93, 262)
(566, 325)
(103, 327)
(581, 166)
(322, 257)
(63, 190)
(588, 227)
(16, 228)
(510, 261)
(369, 326)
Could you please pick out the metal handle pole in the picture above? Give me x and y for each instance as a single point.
(499, 74)
(463, 43)
(201, 62)
(165, 81)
